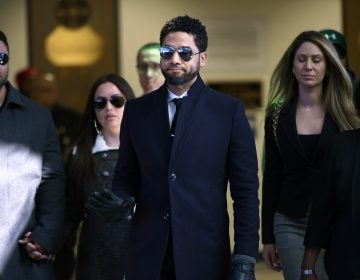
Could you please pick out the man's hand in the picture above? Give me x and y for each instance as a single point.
(110, 206)
(33, 249)
(243, 268)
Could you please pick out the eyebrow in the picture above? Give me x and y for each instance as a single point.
(312, 55)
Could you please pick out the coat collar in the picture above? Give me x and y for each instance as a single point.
(188, 112)
(13, 96)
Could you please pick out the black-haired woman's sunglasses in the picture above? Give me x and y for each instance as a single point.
(116, 100)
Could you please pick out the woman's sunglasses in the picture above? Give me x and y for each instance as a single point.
(116, 100)
(185, 53)
(4, 58)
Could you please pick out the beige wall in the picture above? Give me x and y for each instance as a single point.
(141, 20)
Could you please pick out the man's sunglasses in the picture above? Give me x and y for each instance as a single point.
(4, 58)
(116, 100)
(185, 53)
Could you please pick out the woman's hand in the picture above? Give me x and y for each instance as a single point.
(269, 256)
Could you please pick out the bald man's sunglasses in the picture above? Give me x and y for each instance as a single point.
(115, 100)
(185, 53)
(4, 58)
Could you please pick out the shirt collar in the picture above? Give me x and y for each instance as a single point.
(100, 144)
(172, 95)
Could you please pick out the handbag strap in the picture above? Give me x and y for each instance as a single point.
(275, 122)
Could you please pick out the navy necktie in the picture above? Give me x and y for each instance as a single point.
(177, 102)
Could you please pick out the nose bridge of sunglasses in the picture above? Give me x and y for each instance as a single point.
(177, 55)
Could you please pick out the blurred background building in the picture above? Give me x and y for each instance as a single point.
(246, 40)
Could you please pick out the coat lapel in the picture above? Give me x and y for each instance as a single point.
(189, 110)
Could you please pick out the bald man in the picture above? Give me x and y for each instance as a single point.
(148, 67)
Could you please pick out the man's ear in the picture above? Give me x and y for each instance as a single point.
(203, 58)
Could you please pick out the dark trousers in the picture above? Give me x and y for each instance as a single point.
(168, 268)
(64, 263)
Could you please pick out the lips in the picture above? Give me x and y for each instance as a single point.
(110, 116)
(174, 69)
(309, 77)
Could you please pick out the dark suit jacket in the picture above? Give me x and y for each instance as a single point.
(31, 186)
(183, 184)
(331, 223)
(289, 175)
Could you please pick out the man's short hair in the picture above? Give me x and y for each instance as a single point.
(189, 25)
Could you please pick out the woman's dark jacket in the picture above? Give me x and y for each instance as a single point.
(102, 243)
(290, 175)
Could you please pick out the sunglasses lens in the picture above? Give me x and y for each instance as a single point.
(117, 101)
(100, 102)
(166, 52)
(4, 58)
(185, 54)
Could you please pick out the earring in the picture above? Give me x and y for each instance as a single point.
(96, 127)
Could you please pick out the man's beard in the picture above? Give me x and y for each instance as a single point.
(180, 80)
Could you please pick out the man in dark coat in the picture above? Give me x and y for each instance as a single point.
(179, 175)
(31, 183)
(43, 88)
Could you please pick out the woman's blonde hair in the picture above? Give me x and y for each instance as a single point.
(337, 87)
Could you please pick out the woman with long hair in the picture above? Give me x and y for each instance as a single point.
(310, 100)
(90, 168)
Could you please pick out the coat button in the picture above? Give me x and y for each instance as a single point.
(166, 216)
(104, 155)
(172, 177)
(105, 173)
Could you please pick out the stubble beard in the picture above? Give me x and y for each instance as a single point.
(180, 80)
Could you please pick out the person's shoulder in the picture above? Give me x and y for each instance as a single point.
(223, 97)
(224, 103)
(145, 99)
(348, 135)
(27, 105)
